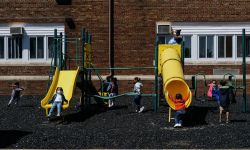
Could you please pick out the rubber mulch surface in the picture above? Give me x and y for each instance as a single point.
(25, 126)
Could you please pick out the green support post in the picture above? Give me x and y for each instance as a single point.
(60, 50)
(156, 97)
(55, 47)
(83, 43)
(244, 70)
(183, 54)
(65, 51)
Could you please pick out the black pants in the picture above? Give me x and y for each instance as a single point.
(137, 101)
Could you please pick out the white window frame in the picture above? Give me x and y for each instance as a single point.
(205, 47)
(216, 29)
(30, 30)
(225, 47)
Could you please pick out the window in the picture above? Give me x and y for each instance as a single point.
(50, 47)
(36, 47)
(206, 49)
(1, 47)
(239, 46)
(15, 47)
(225, 47)
(187, 45)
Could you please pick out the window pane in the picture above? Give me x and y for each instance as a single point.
(229, 46)
(202, 46)
(19, 47)
(40, 49)
(1, 47)
(210, 46)
(15, 47)
(221, 47)
(50, 46)
(33, 47)
(239, 46)
(187, 40)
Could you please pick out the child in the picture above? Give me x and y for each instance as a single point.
(216, 92)
(15, 94)
(224, 100)
(176, 39)
(231, 89)
(57, 101)
(113, 91)
(180, 110)
(137, 99)
(210, 89)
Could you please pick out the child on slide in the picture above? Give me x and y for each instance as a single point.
(180, 110)
(57, 101)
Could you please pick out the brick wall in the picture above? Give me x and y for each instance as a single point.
(134, 27)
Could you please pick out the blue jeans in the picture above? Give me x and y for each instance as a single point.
(137, 101)
(54, 105)
(177, 116)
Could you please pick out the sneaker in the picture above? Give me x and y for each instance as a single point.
(58, 115)
(141, 109)
(180, 125)
(176, 125)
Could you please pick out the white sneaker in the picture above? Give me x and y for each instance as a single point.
(58, 115)
(141, 109)
(176, 125)
(180, 125)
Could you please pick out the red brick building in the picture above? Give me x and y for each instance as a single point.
(211, 30)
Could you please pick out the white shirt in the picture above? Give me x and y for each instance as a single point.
(58, 98)
(172, 41)
(137, 88)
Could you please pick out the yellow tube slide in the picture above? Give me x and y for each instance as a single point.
(65, 79)
(170, 67)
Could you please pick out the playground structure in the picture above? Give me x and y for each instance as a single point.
(61, 73)
(166, 57)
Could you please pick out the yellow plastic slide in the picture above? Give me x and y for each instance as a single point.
(65, 79)
(170, 68)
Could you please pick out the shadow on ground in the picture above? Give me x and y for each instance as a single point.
(196, 116)
(9, 137)
(89, 111)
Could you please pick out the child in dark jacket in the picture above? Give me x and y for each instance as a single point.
(57, 101)
(15, 94)
(224, 101)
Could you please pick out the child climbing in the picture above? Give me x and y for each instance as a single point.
(137, 90)
(113, 91)
(57, 100)
(180, 110)
(15, 94)
(231, 89)
(224, 100)
(213, 91)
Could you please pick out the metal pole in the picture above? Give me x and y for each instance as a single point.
(60, 51)
(65, 51)
(111, 36)
(55, 47)
(83, 43)
(156, 97)
(244, 69)
(182, 54)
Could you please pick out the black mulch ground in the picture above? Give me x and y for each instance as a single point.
(25, 126)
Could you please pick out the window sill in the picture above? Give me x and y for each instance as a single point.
(25, 62)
